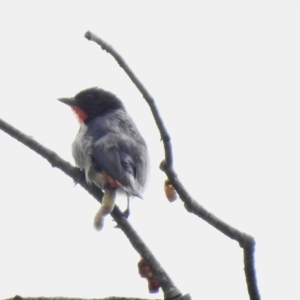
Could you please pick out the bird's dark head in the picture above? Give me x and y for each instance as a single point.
(92, 102)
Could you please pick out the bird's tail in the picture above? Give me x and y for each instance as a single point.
(134, 189)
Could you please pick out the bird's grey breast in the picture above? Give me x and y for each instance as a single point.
(81, 148)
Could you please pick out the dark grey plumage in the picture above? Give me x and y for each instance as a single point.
(108, 141)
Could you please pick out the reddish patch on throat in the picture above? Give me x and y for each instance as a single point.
(80, 114)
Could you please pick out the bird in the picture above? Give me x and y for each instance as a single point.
(108, 148)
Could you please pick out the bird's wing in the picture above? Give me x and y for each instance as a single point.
(117, 155)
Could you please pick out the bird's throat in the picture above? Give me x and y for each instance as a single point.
(80, 114)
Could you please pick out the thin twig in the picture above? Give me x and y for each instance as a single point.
(17, 297)
(246, 241)
(160, 124)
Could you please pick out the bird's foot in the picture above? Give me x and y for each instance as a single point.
(125, 214)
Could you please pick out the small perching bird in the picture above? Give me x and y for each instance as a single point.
(108, 147)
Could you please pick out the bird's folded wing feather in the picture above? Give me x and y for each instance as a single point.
(114, 154)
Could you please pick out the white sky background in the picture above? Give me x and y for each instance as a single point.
(225, 76)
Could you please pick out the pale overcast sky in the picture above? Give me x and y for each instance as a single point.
(225, 76)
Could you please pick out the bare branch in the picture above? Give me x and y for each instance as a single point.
(246, 241)
(170, 291)
(17, 297)
(160, 124)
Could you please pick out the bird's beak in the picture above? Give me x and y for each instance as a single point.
(68, 101)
